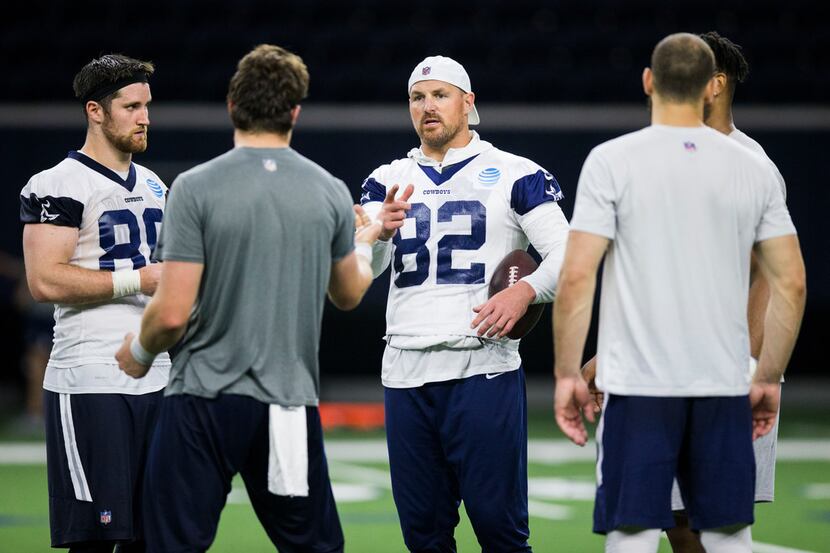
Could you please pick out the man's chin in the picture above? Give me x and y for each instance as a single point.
(136, 146)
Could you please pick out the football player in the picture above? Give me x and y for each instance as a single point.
(678, 207)
(731, 69)
(454, 386)
(253, 241)
(91, 225)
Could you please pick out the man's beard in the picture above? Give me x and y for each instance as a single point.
(126, 143)
(438, 140)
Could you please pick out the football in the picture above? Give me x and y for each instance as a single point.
(514, 266)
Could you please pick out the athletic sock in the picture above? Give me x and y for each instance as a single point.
(732, 539)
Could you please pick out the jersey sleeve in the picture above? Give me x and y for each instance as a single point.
(372, 194)
(775, 219)
(547, 230)
(182, 236)
(595, 209)
(47, 199)
(372, 190)
(342, 242)
(534, 189)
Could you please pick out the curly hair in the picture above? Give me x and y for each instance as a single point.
(269, 82)
(729, 58)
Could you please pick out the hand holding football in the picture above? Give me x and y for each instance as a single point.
(516, 265)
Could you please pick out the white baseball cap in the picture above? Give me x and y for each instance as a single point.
(442, 68)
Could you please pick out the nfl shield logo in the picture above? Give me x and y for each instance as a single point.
(270, 165)
(426, 70)
(106, 517)
(690, 146)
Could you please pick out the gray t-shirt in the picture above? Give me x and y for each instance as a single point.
(267, 224)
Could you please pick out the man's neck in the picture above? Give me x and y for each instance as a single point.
(461, 140)
(720, 118)
(242, 139)
(676, 114)
(101, 150)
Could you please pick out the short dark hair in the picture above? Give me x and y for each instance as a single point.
(105, 71)
(729, 58)
(682, 65)
(269, 82)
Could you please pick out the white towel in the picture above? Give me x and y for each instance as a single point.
(288, 451)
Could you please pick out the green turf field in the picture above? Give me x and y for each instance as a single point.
(561, 497)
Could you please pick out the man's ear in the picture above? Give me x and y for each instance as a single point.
(720, 82)
(648, 81)
(469, 101)
(95, 112)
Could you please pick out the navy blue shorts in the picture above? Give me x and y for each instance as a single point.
(199, 446)
(460, 440)
(96, 450)
(643, 442)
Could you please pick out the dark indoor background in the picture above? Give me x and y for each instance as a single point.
(518, 53)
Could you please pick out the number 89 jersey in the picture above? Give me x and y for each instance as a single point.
(466, 216)
(118, 222)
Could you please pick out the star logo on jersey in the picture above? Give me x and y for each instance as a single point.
(270, 165)
(552, 187)
(106, 517)
(45, 215)
(489, 177)
(155, 188)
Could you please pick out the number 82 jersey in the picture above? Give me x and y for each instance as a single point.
(118, 221)
(467, 214)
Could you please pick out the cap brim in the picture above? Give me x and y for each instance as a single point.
(472, 117)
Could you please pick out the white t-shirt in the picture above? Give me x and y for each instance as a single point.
(468, 212)
(753, 145)
(118, 221)
(683, 207)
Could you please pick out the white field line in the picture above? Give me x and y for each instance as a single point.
(364, 475)
(546, 452)
(817, 491)
(759, 547)
(380, 477)
(539, 451)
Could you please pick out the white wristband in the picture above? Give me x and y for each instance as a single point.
(125, 283)
(140, 354)
(364, 250)
(753, 366)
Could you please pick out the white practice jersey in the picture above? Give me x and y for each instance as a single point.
(118, 220)
(753, 145)
(683, 207)
(468, 212)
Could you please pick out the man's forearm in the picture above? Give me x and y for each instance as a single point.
(781, 326)
(571, 319)
(69, 284)
(759, 296)
(159, 333)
